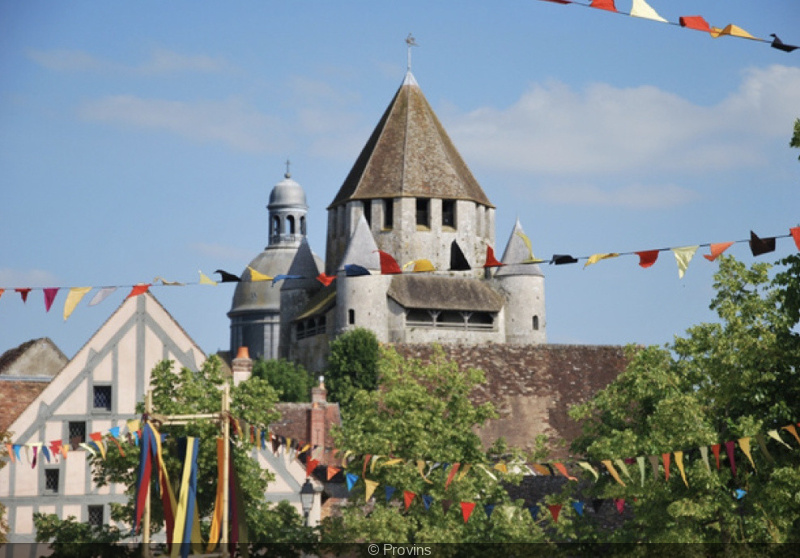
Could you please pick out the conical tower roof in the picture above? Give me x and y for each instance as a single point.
(518, 258)
(409, 154)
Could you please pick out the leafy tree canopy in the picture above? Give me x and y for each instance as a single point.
(291, 381)
(352, 365)
(723, 381)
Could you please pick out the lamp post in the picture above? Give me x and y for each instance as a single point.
(307, 498)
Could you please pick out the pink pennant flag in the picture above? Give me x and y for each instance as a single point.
(620, 502)
(49, 297)
(466, 510)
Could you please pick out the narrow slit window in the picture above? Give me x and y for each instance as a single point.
(449, 213)
(368, 211)
(388, 213)
(423, 213)
(351, 316)
(536, 323)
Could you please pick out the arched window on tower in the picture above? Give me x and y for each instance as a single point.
(276, 226)
(303, 226)
(290, 222)
(536, 323)
(423, 214)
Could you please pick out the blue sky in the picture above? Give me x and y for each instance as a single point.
(141, 139)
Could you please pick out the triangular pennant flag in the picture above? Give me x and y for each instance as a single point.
(97, 438)
(780, 45)
(488, 508)
(555, 509)
(541, 469)
(228, 277)
(744, 445)
(101, 295)
(704, 455)
(588, 467)
(603, 5)
(389, 491)
(351, 479)
(446, 505)
(427, 500)
(325, 279)
(733, 31)
(49, 297)
(622, 467)
(647, 258)
(578, 507)
(258, 276)
(717, 249)
(642, 9)
(775, 436)
(420, 266)
(795, 232)
(332, 471)
(534, 511)
(683, 256)
(458, 261)
(715, 450)
(10, 451)
(613, 471)
(679, 463)
(531, 259)
(594, 258)
(354, 270)
(654, 465)
(408, 497)
(740, 493)
(793, 431)
(665, 457)
(640, 462)
(561, 259)
(620, 502)
(760, 246)
(284, 277)
(367, 457)
(167, 283)
(371, 486)
(388, 264)
(23, 292)
(138, 290)
(762, 443)
(729, 447)
(452, 474)
(502, 467)
(466, 510)
(73, 298)
(563, 470)
(491, 261)
(694, 22)
(311, 464)
(205, 279)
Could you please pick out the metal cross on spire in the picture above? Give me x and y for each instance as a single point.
(288, 164)
(410, 42)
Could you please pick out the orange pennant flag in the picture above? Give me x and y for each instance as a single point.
(332, 472)
(717, 249)
(613, 471)
(138, 289)
(665, 457)
(796, 236)
(453, 471)
(311, 464)
(793, 431)
(563, 470)
(325, 279)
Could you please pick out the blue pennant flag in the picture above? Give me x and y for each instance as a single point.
(351, 480)
(578, 507)
(740, 493)
(488, 508)
(353, 270)
(427, 500)
(534, 511)
(389, 491)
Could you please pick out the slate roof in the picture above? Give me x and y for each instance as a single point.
(409, 154)
(444, 293)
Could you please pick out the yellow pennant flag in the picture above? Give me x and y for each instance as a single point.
(371, 486)
(420, 266)
(391, 462)
(487, 471)
(744, 444)
(502, 467)
(258, 276)
(731, 30)
(531, 258)
(613, 471)
(593, 259)
(73, 298)
(205, 279)
(793, 431)
(167, 283)
(621, 464)
(683, 256)
(679, 463)
(421, 469)
(775, 436)
(589, 468)
(464, 470)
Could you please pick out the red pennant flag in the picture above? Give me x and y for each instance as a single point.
(666, 457)
(694, 22)
(620, 502)
(138, 289)
(10, 450)
(603, 5)
(408, 497)
(49, 297)
(366, 462)
(715, 449)
(729, 447)
(23, 293)
(332, 472)
(555, 509)
(796, 236)
(717, 249)
(388, 264)
(325, 279)
(491, 261)
(311, 464)
(647, 258)
(2, 291)
(453, 471)
(55, 446)
(466, 510)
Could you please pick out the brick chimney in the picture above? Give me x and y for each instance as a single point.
(319, 401)
(242, 366)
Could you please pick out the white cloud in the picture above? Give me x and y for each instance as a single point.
(636, 196)
(160, 62)
(231, 122)
(604, 130)
(10, 278)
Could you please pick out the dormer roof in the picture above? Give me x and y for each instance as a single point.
(409, 154)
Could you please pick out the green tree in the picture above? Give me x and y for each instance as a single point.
(198, 392)
(4, 439)
(795, 141)
(352, 365)
(724, 381)
(291, 381)
(423, 412)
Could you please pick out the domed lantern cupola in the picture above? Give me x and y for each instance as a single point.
(287, 212)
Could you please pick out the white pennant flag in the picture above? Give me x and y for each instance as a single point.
(101, 295)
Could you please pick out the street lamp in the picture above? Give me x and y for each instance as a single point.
(307, 498)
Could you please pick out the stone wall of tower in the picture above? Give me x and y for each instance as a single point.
(361, 302)
(525, 322)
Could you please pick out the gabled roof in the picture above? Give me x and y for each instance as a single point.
(409, 154)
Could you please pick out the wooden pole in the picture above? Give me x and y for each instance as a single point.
(226, 457)
(148, 408)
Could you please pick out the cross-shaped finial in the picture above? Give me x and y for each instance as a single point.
(288, 164)
(410, 42)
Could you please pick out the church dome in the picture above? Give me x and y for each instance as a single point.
(261, 296)
(287, 193)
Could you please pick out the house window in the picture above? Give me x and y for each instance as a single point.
(290, 220)
(77, 433)
(303, 226)
(423, 213)
(276, 226)
(351, 316)
(449, 213)
(102, 398)
(95, 516)
(388, 213)
(536, 323)
(368, 211)
(51, 479)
